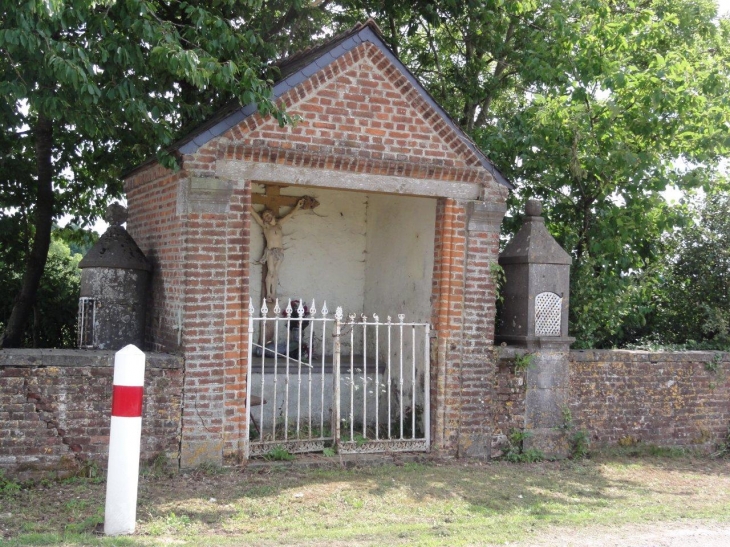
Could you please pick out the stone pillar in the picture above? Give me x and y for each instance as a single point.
(535, 316)
(546, 399)
(114, 282)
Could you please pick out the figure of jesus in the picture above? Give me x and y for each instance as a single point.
(274, 252)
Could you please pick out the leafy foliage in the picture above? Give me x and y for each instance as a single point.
(53, 321)
(580, 444)
(515, 451)
(93, 88)
(524, 361)
(693, 303)
(8, 487)
(593, 107)
(279, 454)
(638, 106)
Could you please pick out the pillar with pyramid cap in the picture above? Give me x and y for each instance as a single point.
(114, 282)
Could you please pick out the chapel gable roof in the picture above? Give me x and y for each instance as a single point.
(299, 67)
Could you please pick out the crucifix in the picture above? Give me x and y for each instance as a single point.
(273, 200)
(270, 222)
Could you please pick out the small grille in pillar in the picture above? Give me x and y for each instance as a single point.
(548, 307)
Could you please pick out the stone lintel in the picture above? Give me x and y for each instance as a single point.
(362, 182)
(66, 358)
(485, 216)
(547, 343)
(204, 195)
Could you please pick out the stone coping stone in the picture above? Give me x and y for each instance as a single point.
(509, 352)
(505, 353)
(626, 355)
(79, 358)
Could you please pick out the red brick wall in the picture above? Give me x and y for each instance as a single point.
(357, 115)
(158, 229)
(478, 363)
(668, 399)
(55, 410)
(236, 318)
(447, 306)
(215, 336)
(508, 410)
(463, 317)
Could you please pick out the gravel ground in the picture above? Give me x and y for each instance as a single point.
(660, 534)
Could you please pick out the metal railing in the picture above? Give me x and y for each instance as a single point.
(86, 334)
(307, 366)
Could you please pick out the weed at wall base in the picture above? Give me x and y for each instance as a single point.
(579, 445)
(8, 487)
(515, 451)
(579, 440)
(524, 362)
(279, 454)
(723, 448)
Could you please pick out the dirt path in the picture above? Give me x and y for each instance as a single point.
(660, 534)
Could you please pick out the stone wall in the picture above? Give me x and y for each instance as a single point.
(626, 397)
(509, 403)
(668, 399)
(55, 410)
(54, 404)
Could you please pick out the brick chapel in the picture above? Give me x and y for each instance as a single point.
(407, 220)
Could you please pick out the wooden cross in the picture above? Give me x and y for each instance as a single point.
(273, 200)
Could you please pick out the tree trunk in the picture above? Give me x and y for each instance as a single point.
(583, 238)
(36, 263)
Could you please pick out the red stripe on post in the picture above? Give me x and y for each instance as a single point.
(127, 401)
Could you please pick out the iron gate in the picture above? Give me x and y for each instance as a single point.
(318, 382)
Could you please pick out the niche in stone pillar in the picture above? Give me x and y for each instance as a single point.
(536, 292)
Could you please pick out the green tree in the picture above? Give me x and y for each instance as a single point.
(52, 323)
(594, 107)
(643, 106)
(693, 299)
(92, 88)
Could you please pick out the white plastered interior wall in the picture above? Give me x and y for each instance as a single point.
(369, 253)
(399, 248)
(398, 275)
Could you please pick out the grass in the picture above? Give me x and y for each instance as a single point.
(413, 504)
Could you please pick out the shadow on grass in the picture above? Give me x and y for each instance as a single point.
(210, 501)
(497, 489)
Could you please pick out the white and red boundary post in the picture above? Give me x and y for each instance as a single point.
(120, 513)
